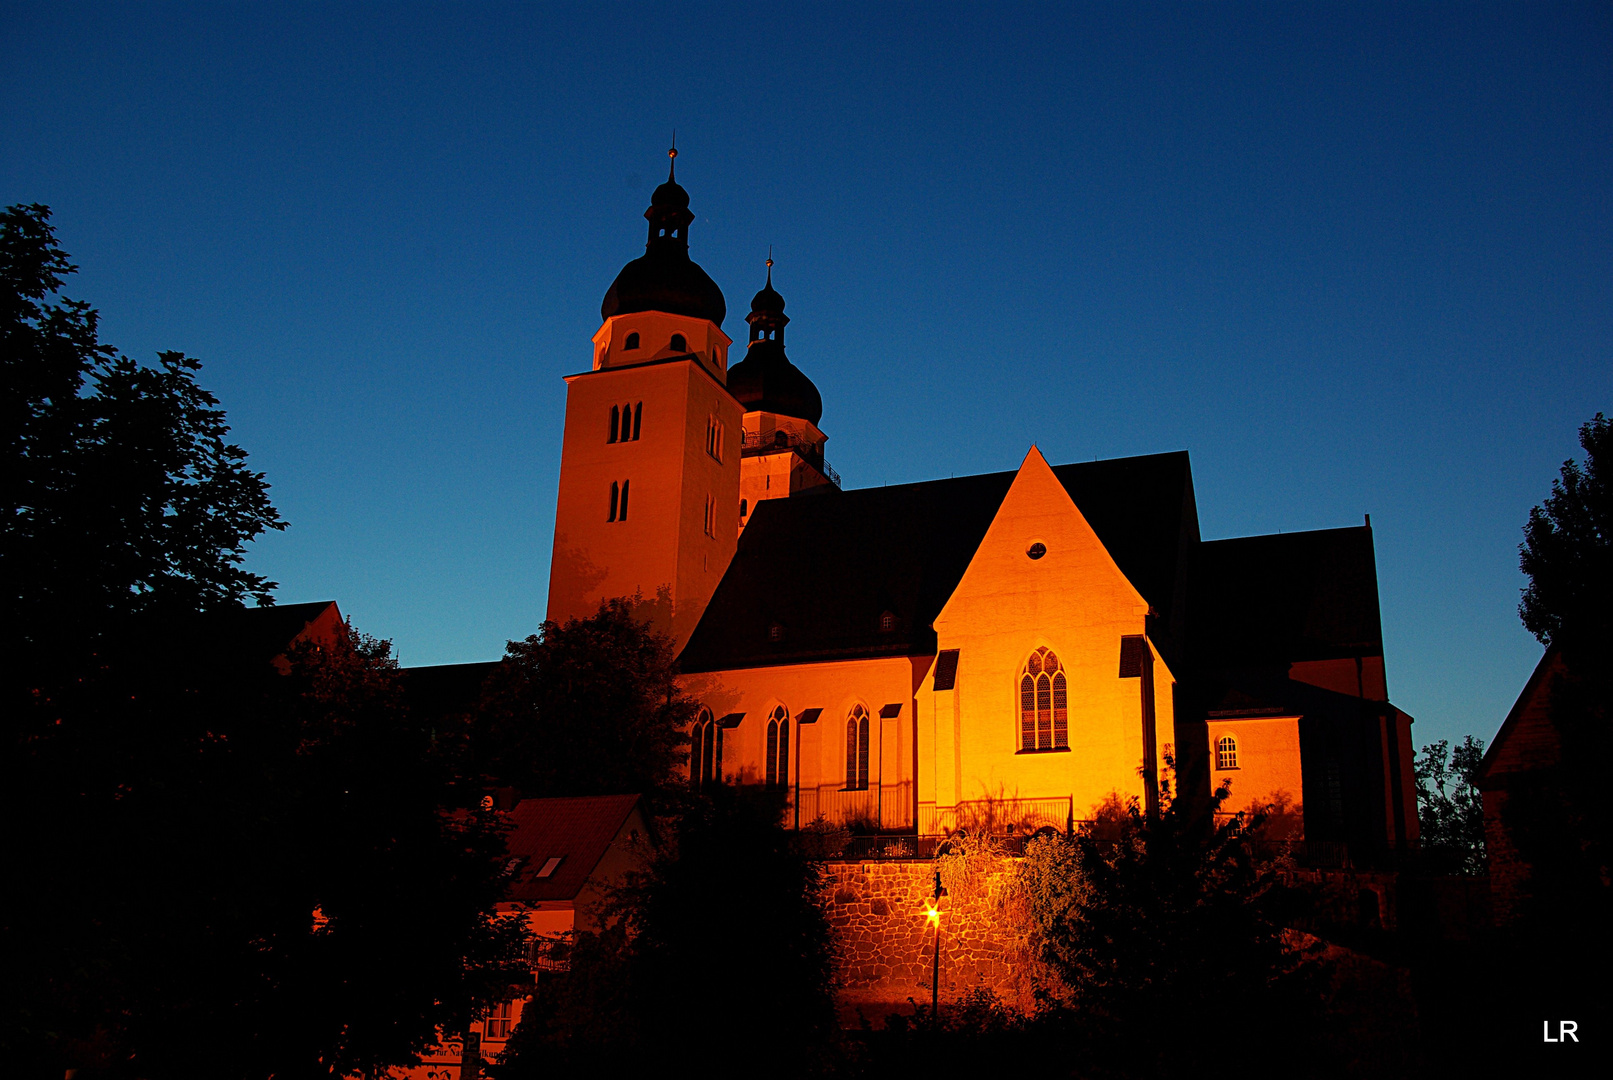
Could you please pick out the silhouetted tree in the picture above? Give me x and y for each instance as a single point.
(214, 868)
(591, 707)
(1157, 924)
(121, 494)
(720, 955)
(1450, 807)
(1567, 549)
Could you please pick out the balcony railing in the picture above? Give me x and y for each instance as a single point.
(1007, 817)
(876, 808)
(758, 442)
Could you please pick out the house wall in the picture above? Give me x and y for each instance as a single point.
(1268, 771)
(1073, 600)
(817, 764)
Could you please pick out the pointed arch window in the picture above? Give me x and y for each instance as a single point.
(618, 501)
(705, 751)
(1044, 712)
(857, 750)
(625, 421)
(778, 747)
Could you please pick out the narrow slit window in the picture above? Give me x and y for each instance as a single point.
(615, 423)
(638, 415)
(615, 496)
(622, 516)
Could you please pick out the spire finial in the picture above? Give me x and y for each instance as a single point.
(769, 266)
(672, 154)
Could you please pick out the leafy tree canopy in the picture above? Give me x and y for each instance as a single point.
(1450, 807)
(121, 493)
(591, 707)
(1171, 916)
(723, 940)
(1567, 549)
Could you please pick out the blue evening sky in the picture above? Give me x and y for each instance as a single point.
(1355, 259)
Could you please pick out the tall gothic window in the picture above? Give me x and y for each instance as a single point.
(625, 421)
(1044, 713)
(778, 747)
(705, 751)
(857, 750)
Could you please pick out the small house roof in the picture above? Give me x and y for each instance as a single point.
(577, 831)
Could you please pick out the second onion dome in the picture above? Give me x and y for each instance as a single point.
(766, 381)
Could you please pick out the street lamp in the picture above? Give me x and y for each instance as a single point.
(932, 914)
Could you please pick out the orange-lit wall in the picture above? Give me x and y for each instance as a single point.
(1268, 771)
(779, 473)
(1361, 676)
(662, 551)
(818, 750)
(655, 329)
(1073, 600)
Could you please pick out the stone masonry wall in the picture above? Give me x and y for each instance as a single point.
(887, 947)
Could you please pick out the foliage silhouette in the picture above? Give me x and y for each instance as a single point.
(591, 707)
(1450, 807)
(218, 867)
(722, 944)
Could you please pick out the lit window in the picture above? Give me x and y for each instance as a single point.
(1044, 714)
(632, 341)
(705, 751)
(498, 1021)
(857, 750)
(1226, 752)
(778, 747)
(679, 344)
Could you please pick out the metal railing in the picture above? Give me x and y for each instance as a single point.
(1007, 817)
(757, 442)
(876, 808)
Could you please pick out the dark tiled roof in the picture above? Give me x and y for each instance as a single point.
(576, 831)
(263, 633)
(444, 689)
(825, 568)
(1286, 598)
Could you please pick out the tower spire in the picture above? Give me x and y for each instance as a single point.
(672, 155)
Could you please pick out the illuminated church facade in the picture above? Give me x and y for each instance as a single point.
(1007, 650)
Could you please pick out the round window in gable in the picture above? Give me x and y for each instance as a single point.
(1036, 550)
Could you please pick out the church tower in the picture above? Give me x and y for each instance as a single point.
(649, 466)
(783, 448)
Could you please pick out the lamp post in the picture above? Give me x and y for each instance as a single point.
(933, 914)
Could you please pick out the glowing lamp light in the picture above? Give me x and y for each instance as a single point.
(932, 915)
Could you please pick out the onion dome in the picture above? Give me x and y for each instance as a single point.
(766, 381)
(664, 278)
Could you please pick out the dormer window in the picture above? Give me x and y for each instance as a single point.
(679, 343)
(887, 622)
(632, 341)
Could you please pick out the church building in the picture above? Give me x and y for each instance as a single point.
(1004, 651)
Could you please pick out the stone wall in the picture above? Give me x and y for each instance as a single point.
(887, 947)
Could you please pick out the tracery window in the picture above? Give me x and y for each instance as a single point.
(1044, 713)
(1226, 752)
(778, 747)
(857, 750)
(705, 751)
